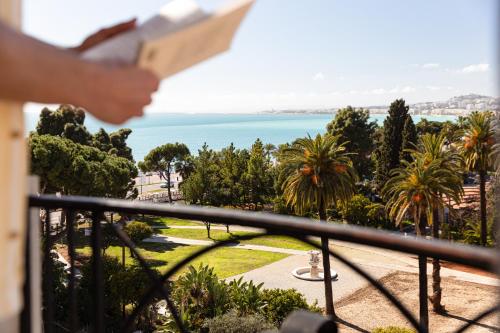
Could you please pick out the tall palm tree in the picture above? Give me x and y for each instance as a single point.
(319, 173)
(477, 148)
(416, 189)
(433, 147)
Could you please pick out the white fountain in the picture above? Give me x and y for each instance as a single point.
(313, 272)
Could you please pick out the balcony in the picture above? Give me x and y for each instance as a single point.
(298, 228)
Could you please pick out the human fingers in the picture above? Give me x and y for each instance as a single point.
(116, 29)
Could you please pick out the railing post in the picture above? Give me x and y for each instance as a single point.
(31, 317)
(97, 274)
(47, 285)
(73, 318)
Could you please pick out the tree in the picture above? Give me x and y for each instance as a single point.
(409, 139)
(451, 131)
(233, 163)
(269, 149)
(71, 168)
(119, 145)
(203, 185)
(425, 126)
(257, 176)
(477, 148)
(353, 127)
(432, 147)
(67, 122)
(389, 153)
(320, 173)
(162, 159)
(416, 189)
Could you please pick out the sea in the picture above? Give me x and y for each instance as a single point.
(217, 130)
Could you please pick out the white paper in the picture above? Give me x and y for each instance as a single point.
(178, 37)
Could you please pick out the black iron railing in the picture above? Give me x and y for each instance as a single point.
(299, 228)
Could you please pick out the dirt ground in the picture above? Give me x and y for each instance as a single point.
(367, 309)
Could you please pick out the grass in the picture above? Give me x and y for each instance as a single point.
(167, 221)
(220, 235)
(226, 261)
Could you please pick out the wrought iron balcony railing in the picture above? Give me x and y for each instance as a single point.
(299, 228)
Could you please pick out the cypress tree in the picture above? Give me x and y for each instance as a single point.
(409, 138)
(388, 155)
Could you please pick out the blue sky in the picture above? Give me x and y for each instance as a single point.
(312, 54)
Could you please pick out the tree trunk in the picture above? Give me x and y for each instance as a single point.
(436, 268)
(168, 184)
(227, 228)
(482, 193)
(327, 277)
(422, 282)
(207, 225)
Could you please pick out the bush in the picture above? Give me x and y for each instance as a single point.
(121, 286)
(393, 329)
(200, 295)
(355, 211)
(246, 296)
(280, 303)
(233, 322)
(137, 231)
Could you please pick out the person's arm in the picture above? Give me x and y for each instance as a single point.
(31, 70)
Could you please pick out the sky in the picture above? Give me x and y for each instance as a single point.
(296, 54)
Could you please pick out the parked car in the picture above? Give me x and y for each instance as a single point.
(165, 185)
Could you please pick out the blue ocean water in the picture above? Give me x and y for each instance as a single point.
(217, 130)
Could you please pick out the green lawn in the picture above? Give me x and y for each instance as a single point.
(220, 235)
(167, 221)
(226, 261)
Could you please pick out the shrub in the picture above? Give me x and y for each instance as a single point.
(137, 231)
(355, 210)
(200, 295)
(246, 296)
(121, 286)
(233, 322)
(471, 234)
(393, 329)
(377, 216)
(280, 303)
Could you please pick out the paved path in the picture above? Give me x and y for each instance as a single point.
(377, 262)
(213, 227)
(168, 239)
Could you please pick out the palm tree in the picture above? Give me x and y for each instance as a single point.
(416, 189)
(319, 173)
(434, 148)
(477, 148)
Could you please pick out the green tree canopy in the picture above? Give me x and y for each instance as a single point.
(353, 127)
(164, 159)
(203, 185)
(72, 168)
(477, 149)
(233, 163)
(389, 152)
(409, 139)
(257, 176)
(66, 122)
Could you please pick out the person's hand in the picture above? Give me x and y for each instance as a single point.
(104, 34)
(117, 94)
